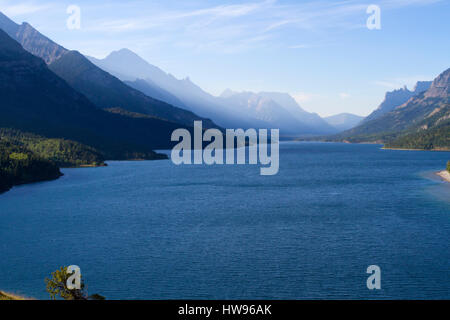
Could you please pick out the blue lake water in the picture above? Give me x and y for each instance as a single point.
(153, 230)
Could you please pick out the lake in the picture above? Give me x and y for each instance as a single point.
(153, 230)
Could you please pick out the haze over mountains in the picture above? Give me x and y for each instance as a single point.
(344, 121)
(126, 92)
(146, 89)
(231, 109)
(34, 99)
(101, 88)
(275, 110)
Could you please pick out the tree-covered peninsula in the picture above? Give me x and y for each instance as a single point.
(26, 158)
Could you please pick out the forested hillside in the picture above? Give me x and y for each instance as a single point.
(432, 133)
(64, 153)
(19, 165)
(26, 157)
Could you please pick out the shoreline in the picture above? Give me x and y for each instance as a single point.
(51, 178)
(406, 149)
(85, 166)
(444, 174)
(372, 143)
(6, 296)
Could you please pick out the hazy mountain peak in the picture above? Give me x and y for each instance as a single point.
(227, 93)
(127, 65)
(107, 91)
(282, 98)
(344, 121)
(277, 109)
(124, 53)
(235, 109)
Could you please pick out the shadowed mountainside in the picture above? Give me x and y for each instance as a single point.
(101, 88)
(34, 99)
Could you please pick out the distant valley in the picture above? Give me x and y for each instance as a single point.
(344, 121)
(408, 120)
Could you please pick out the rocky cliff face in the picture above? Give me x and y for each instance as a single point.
(37, 44)
(422, 86)
(392, 100)
(440, 87)
(396, 98)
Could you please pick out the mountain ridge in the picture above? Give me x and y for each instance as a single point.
(422, 121)
(31, 40)
(396, 98)
(34, 99)
(103, 89)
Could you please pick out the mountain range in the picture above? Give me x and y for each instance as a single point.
(126, 106)
(100, 87)
(125, 81)
(230, 110)
(34, 99)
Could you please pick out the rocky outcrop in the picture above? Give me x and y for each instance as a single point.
(440, 87)
(396, 98)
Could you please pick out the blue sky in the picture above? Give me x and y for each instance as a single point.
(321, 52)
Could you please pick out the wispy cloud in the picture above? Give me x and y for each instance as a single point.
(302, 97)
(407, 3)
(224, 28)
(17, 9)
(247, 25)
(344, 95)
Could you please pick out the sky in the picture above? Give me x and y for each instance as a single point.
(320, 52)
